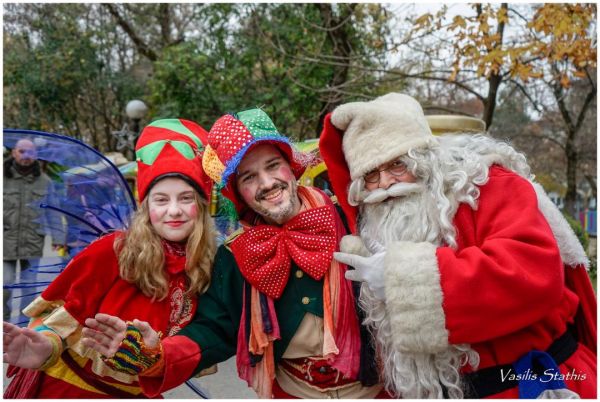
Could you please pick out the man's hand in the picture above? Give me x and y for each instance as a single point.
(130, 348)
(24, 347)
(366, 269)
(105, 333)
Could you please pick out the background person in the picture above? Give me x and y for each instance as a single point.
(24, 185)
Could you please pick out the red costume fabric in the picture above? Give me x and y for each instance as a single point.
(87, 287)
(264, 252)
(503, 288)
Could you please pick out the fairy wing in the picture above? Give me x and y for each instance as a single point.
(87, 198)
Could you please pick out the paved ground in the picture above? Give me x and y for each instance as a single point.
(224, 384)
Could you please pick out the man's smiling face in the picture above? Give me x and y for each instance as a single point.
(267, 184)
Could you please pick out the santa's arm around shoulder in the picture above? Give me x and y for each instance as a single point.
(496, 281)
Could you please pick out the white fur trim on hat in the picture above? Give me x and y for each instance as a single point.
(380, 131)
(414, 298)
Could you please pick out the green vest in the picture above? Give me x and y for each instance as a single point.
(217, 320)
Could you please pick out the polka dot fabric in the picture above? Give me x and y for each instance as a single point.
(231, 137)
(227, 137)
(259, 124)
(264, 253)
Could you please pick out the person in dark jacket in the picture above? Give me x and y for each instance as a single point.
(24, 185)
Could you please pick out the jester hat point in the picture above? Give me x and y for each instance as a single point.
(231, 137)
(171, 147)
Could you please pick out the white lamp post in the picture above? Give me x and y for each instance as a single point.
(126, 138)
(136, 110)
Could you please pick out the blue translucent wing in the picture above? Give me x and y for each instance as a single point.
(88, 198)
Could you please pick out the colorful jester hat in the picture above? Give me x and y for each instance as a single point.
(170, 147)
(231, 137)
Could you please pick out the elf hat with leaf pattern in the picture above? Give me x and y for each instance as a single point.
(232, 136)
(171, 147)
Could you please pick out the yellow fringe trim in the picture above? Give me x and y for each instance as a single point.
(69, 329)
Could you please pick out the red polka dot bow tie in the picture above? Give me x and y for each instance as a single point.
(264, 252)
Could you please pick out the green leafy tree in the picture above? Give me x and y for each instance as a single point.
(293, 59)
(61, 73)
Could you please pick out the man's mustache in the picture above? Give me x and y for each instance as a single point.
(261, 194)
(396, 190)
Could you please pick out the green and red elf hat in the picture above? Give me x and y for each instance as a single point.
(231, 137)
(171, 147)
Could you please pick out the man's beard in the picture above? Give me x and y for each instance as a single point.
(281, 213)
(413, 217)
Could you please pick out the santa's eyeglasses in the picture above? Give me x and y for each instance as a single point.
(396, 168)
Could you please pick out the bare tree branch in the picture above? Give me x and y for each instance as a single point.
(586, 105)
(141, 46)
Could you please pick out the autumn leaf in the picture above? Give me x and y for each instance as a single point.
(564, 81)
(502, 16)
(457, 21)
(424, 21)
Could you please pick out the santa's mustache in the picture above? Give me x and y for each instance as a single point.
(261, 194)
(395, 190)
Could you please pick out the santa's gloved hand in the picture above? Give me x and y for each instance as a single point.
(366, 269)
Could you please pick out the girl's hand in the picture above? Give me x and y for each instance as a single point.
(24, 347)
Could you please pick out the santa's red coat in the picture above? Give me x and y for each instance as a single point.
(503, 289)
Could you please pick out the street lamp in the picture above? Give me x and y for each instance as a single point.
(126, 137)
(136, 110)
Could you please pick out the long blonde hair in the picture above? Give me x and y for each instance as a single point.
(142, 259)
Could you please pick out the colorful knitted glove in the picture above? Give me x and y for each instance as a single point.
(133, 356)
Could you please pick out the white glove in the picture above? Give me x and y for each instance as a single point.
(366, 269)
(373, 246)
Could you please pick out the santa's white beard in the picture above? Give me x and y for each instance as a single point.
(415, 217)
(412, 217)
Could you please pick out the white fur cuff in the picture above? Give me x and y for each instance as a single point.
(414, 298)
(353, 245)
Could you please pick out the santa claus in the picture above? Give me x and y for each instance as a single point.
(474, 285)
